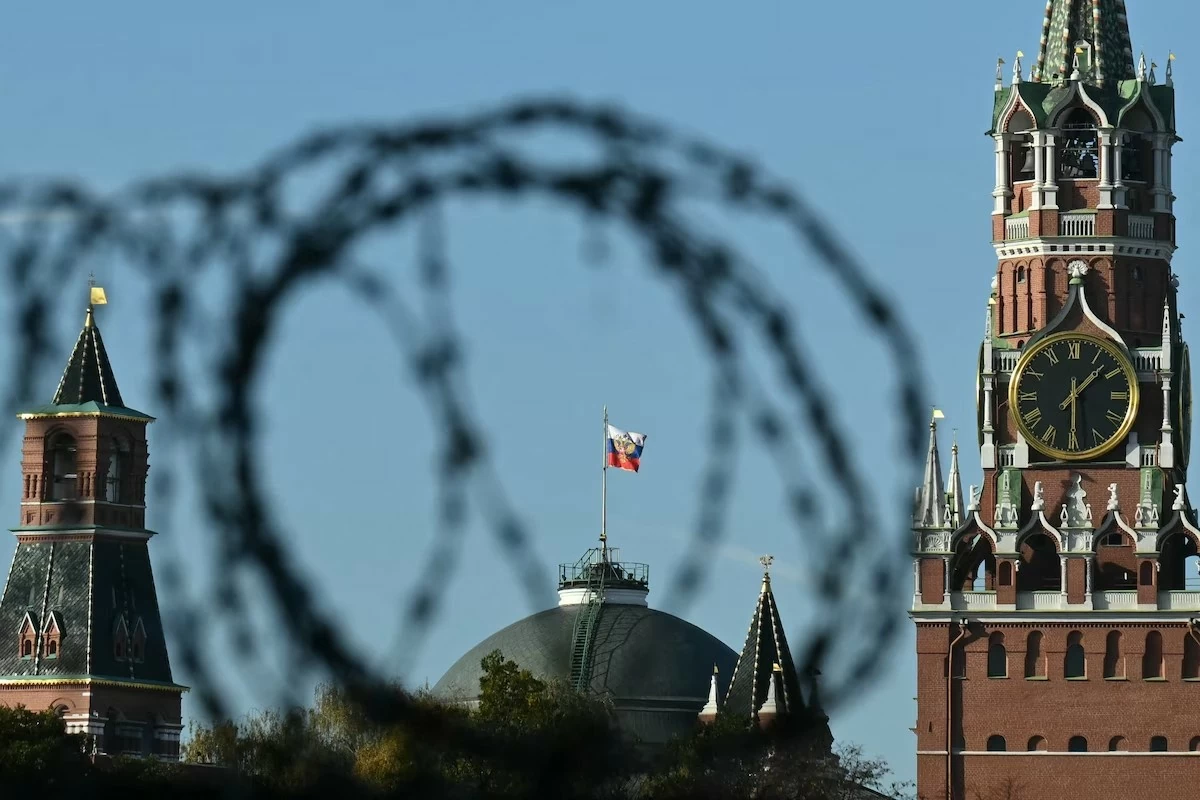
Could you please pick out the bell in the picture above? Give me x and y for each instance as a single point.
(1027, 167)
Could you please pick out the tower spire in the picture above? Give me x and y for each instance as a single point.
(930, 510)
(954, 496)
(1097, 29)
(89, 376)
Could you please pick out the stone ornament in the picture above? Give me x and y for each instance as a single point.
(1180, 503)
(1039, 503)
(1112, 497)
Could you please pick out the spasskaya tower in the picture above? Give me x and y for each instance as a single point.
(1058, 605)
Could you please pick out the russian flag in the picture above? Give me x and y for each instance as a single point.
(624, 448)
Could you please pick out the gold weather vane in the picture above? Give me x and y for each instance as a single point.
(96, 295)
(766, 561)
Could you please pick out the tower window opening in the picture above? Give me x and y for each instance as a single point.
(114, 479)
(1036, 743)
(1191, 656)
(1117, 744)
(121, 641)
(996, 744)
(1146, 574)
(27, 648)
(1079, 155)
(1020, 274)
(1137, 272)
(1077, 744)
(997, 663)
(1194, 744)
(1075, 662)
(1114, 539)
(137, 650)
(65, 485)
(1158, 744)
(1114, 662)
(1035, 662)
(1006, 573)
(1152, 659)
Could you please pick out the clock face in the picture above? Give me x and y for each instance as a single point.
(1073, 396)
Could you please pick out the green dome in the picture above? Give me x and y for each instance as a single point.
(654, 666)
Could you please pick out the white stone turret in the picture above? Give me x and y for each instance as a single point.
(930, 509)
(954, 492)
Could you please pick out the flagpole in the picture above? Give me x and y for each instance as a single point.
(604, 494)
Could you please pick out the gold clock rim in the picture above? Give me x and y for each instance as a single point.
(1130, 416)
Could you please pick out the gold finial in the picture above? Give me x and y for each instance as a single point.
(776, 667)
(766, 561)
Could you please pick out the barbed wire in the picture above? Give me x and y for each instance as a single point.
(636, 173)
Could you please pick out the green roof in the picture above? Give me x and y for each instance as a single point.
(91, 408)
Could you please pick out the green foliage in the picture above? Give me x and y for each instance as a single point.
(335, 749)
(36, 751)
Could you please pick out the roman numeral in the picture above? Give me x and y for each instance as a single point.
(1035, 374)
(1114, 417)
(1051, 356)
(1096, 437)
(1072, 441)
(1027, 397)
(1073, 349)
(1096, 357)
(1113, 374)
(1033, 416)
(1048, 435)
(1120, 395)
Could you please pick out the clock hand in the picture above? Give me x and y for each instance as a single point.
(1075, 390)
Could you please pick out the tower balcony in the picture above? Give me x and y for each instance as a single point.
(1055, 600)
(1084, 223)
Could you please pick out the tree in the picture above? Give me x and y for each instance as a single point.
(37, 753)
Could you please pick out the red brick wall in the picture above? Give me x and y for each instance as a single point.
(1057, 709)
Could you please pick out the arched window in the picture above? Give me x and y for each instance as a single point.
(109, 741)
(1146, 573)
(120, 640)
(1036, 743)
(114, 478)
(1191, 656)
(1005, 573)
(27, 636)
(1079, 155)
(1020, 274)
(1194, 744)
(997, 664)
(137, 650)
(1114, 662)
(1117, 744)
(1041, 569)
(1158, 744)
(1075, 663)
(1078, 744)
(1035, 663)
(996, 744)
(65, 483)
(1152, 659)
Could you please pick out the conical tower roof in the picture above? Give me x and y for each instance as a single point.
(765, 650)
(930, 511)
(1102, 25)
(89, 376)
(954, 497)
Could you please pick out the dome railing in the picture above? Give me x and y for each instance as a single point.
(604, 561)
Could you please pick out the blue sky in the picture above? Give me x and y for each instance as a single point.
(875, 111)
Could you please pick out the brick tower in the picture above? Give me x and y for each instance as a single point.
(79, 605)
(1057, 608)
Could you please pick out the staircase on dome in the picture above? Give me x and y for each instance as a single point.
(597, 578)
